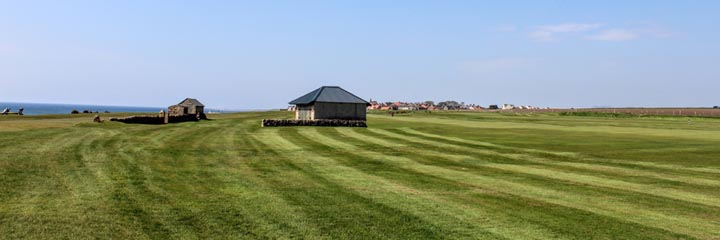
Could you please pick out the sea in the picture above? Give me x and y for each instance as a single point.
(47, 108)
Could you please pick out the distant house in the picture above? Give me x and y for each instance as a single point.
(189, 106)
(330, 102)
(374, 105)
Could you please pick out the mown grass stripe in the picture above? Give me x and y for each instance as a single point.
(610, 183)
(584, 179)
(418, 202)
(158, 187)
(530, 127)
(487, 144)
(594, 166)
(626, 174)
(479, 218)
(607, 205)
(371, 148)
(473, 162)
(713, 135)
(264, 212)
(193, 173)
(374, 189)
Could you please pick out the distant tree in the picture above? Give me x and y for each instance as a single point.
(430, 103)
(449, 104)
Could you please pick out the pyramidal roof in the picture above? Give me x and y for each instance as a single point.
(329, 94)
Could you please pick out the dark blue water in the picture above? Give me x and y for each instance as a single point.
(44, 108)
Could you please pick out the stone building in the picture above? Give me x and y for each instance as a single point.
(330, 102)
(189, 106)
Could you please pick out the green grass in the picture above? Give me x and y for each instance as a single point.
(411, 176)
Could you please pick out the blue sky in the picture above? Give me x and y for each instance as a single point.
(262, 54)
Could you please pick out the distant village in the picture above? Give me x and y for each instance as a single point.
(432, 106)
(445, 105)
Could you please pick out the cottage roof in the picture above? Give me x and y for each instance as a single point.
(193, 101)
(330, 94)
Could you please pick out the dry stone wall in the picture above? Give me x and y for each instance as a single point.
(158, 119)
(316, 123)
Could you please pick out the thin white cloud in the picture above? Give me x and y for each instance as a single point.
(550, 32)
(615, 35)
(659, 32)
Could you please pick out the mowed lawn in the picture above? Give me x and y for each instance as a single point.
(418, 176)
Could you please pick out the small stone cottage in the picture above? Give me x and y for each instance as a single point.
(330, 102)
(189, 106)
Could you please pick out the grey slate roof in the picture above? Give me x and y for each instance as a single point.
(193, 101)
(331, 94)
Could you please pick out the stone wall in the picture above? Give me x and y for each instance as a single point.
(317, 123)
(158, 119)
(141, 120)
